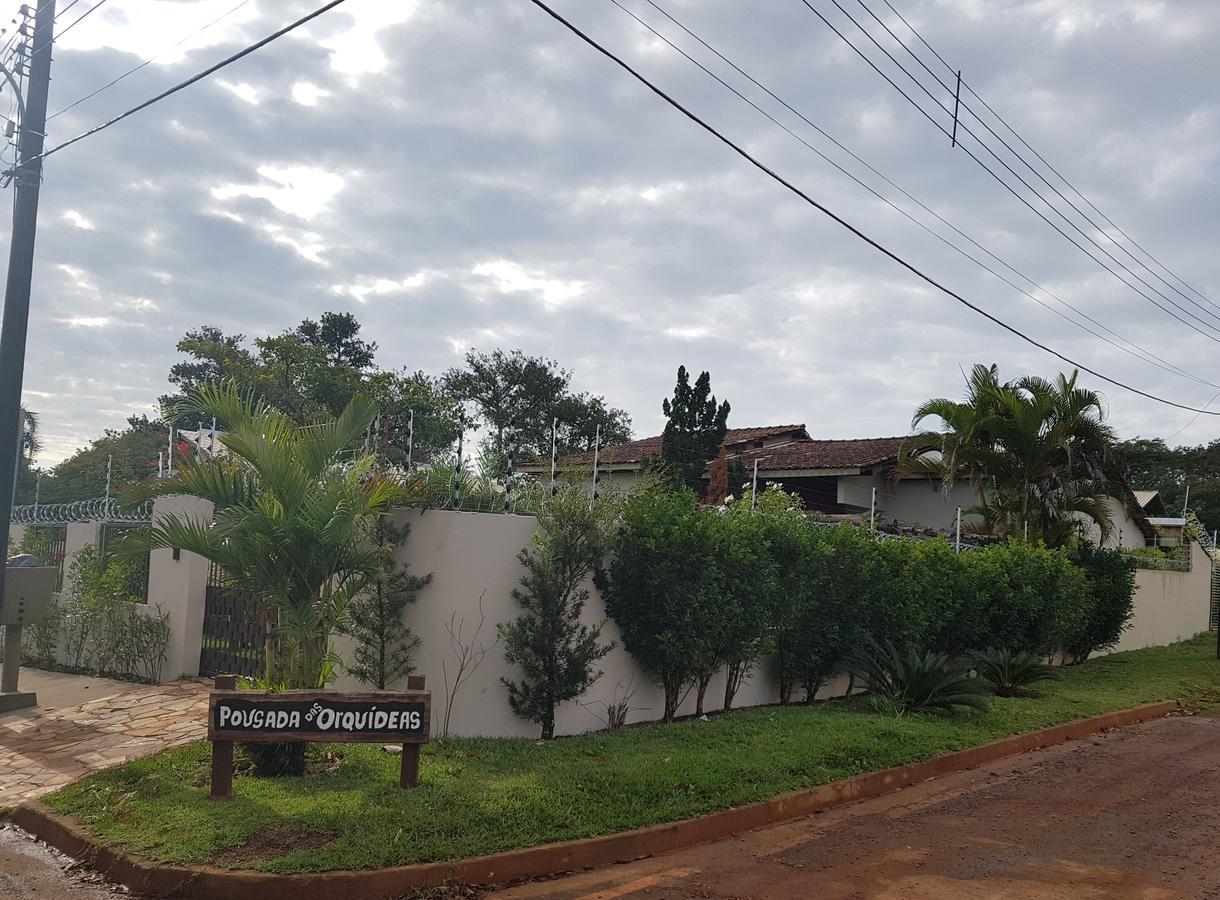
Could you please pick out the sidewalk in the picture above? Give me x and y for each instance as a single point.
(84, 724)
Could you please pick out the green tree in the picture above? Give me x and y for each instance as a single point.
(554, 650)
(518, 397)
(660, 588)
(375, 616)
(748, 582)
(339, 335)
(131, 451)
(295, 512)
(695, 430)
(1038, 453)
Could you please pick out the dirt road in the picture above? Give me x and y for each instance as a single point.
(31, 871)
(1133, 813)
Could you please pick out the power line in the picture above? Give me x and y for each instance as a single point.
(1019, 178)
(147, 62)
(1084, 215)
(192, 80)
(1055, 209)
(1148, 356)
(1047, 163)
(754, 161)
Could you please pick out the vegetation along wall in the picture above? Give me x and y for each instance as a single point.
(473, 561)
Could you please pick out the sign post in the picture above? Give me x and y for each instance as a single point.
(385, 717)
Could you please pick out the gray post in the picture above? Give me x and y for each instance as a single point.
(959, 529)
(27, 178)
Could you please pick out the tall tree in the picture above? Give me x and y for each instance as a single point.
(339, 335)
(513, 393)
(1038, 452)
(519, 397)
(553, 649)
(695, 429)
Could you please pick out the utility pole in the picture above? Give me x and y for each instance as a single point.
(26, 181)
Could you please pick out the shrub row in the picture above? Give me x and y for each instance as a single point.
(694, 590)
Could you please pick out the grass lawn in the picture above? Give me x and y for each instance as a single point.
(480, 796)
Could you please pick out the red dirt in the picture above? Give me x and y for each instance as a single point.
(1132, 813)
(269, 843)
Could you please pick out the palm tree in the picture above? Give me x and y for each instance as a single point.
(29, 444)
(1038, 453)
(294, 509)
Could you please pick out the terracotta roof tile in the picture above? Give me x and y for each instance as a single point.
(824, 454)
(635, 451)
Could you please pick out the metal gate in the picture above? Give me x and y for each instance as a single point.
(234, 630)
(48, 543)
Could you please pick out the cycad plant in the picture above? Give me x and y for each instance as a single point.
(908, 680)
(1009, 674)
(294, 511)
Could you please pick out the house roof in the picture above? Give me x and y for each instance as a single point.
(635, 451)
(823, 454)
(1143, 498)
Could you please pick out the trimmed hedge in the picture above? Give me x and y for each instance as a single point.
(825, 590)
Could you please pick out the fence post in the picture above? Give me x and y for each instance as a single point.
(177, 585)
(78, 536)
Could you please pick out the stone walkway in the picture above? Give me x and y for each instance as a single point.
(44, 749)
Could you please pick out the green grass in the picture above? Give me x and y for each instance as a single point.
(480, 796)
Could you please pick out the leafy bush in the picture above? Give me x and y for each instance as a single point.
(659, 588)
(832, 596)
(103, 628)
(1009, 673)
(910, 681)
(1111, 576)
(1024, 597)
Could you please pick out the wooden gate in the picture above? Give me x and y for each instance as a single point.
(234, 630)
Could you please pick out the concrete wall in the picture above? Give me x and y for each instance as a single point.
(1170, 606)
(178, 587)
(473, 558)
(912, 501)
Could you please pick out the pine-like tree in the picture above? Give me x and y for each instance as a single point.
(695, 429)
(384, 643)
(554, 650)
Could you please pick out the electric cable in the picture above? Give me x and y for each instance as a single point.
(758, 164)
(1010, 188)
(1154, 360)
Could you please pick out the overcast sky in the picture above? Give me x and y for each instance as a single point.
(469, 174)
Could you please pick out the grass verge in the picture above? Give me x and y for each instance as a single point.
(484, 795)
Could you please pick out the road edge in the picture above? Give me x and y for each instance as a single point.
(200, 881)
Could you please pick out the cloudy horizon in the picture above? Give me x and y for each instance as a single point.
(463, 174)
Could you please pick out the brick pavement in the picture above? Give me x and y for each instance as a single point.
(42, 750)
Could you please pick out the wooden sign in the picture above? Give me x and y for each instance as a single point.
(386, 717)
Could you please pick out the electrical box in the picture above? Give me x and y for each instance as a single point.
(27, 594)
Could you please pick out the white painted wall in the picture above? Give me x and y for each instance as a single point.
(912, 501)
(178, 587)
(473, 556)
(1170, 606)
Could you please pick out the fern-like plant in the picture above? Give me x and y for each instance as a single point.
(1009, 674)
(908, 680)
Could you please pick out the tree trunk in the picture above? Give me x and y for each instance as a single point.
(735, 675)
(548, 724)
(700, 691)
(672, 696)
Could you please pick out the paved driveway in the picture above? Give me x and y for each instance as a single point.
(1134, 813)
(72, 734)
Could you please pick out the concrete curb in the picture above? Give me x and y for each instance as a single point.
(155, 879)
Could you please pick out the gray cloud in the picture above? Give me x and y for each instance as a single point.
(499, 183)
